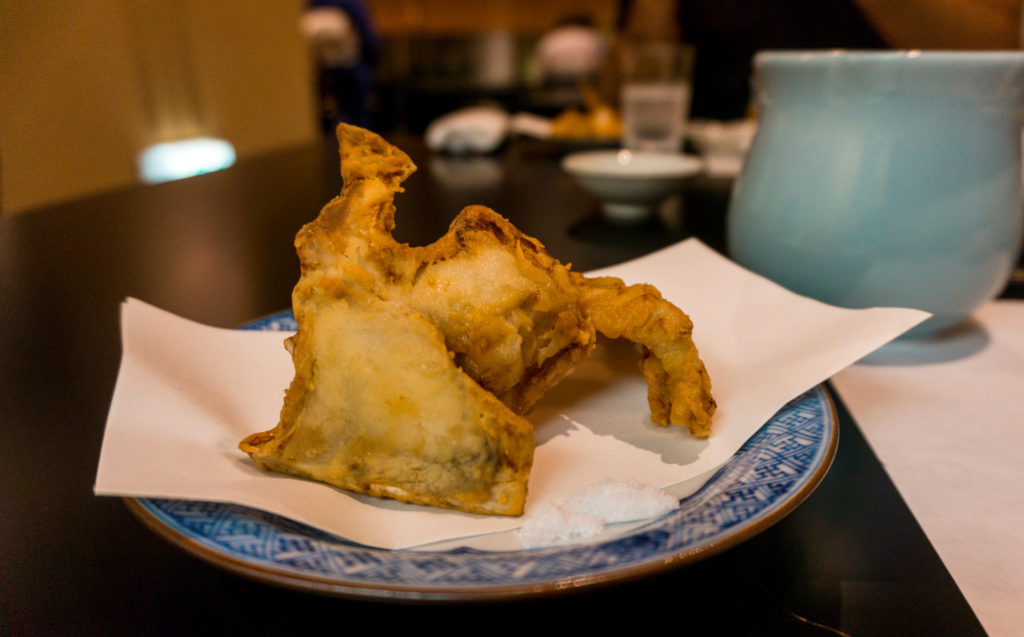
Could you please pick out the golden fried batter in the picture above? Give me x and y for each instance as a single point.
(412, 364)
(377, 406)
(597, 121)
(509, 312)
(678, 387)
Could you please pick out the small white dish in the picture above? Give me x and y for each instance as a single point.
(723, 145)
(630, 184)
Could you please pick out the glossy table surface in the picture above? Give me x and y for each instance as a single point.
(218, 249)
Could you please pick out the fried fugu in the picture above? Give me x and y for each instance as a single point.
(678, 386)
(377, 406)
(413, 365)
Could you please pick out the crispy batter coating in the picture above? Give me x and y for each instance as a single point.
(377, 406)
(413, 365)
(678, 386)
(509, 312)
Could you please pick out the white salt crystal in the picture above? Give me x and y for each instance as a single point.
(550, 524)
(585, 514)
(622, 501)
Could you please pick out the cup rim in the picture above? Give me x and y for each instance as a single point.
(879, 56)
(633, 165)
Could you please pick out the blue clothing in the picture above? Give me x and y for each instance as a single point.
(345, 92)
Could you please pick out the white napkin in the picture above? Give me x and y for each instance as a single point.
(946, 418)
(186, 394)
(472, 130)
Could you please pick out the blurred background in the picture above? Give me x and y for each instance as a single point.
(85, 87)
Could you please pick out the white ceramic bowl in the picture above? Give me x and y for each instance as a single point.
(630, 184)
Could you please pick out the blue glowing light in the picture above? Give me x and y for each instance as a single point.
(185, 158)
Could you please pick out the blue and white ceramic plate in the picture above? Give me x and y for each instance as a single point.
(767, 478)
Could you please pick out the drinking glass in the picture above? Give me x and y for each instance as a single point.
(655, 95)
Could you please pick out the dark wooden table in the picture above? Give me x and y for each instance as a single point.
(218, 249)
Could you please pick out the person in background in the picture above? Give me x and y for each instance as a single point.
(727, 34)
(345, 46)
(572, 51)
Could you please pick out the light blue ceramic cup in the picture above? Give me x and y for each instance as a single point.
(884, 178)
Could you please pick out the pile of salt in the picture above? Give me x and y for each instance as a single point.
(585, 514)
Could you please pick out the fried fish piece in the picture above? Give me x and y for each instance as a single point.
(510, 312)
(377, 406)
(413, 365)
(678, 386)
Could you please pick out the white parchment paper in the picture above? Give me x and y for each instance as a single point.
(187, 394)
(946, 418)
